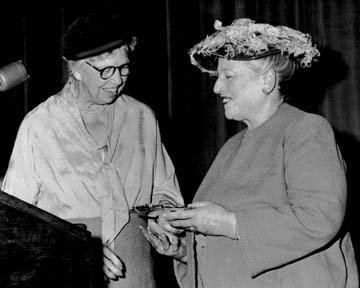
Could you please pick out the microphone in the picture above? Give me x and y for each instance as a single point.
(12, 75)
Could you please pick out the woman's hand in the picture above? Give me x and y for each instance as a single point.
(206, 218)
(155, 216)
(164, 242)
(113, 266)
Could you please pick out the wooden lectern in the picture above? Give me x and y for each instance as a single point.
(38, 249)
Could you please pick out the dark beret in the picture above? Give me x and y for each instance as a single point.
(94, 34)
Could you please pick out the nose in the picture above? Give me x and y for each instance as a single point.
(217, 86)
(118, 78)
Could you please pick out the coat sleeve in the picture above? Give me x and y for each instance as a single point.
(166, 187)
(22, 179)
(314, 177)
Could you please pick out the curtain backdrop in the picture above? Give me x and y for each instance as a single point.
(190, 115)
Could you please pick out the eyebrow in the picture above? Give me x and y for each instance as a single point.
(124, 64)
(226, 70)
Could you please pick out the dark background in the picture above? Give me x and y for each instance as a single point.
(191, 117)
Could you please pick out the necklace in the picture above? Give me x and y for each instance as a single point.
(76, 91)
(99, 127)
(98, 122)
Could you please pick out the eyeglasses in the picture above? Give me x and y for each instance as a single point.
(109, 71)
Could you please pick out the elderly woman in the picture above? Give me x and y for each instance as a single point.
(90, 153)
(269, 211)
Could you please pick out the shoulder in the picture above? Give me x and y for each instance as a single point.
(303, 128)
(303, 122)
(41, 117)
(130, 104)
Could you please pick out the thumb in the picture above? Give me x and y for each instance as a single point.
(198, 204)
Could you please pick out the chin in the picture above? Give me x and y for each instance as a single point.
(233, 114)
(111, 96)
(229, 115)
(233, 117)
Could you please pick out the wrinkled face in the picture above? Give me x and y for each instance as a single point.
(95, 89)
(241, 89)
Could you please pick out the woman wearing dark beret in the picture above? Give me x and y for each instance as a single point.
(90, 153)
(269, 211)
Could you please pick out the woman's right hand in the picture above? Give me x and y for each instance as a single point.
(165, 242)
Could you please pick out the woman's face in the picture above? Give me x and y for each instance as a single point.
(241, 89)
(98, 91)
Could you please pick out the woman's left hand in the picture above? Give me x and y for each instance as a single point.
(206, 218)
(164, 242)
(162, 222)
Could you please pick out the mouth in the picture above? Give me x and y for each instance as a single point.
(225, 100)
(113, 91)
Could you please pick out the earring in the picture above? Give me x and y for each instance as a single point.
(77, 76)
(266, 92)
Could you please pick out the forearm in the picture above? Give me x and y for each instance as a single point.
(267, 235)
(166, 186)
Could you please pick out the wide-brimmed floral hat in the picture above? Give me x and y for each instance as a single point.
(246, 40)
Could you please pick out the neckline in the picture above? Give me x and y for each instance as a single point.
(104, 146)
(82, 108)
(267, 121)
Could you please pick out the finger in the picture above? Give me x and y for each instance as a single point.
(153, 238)
(153, 214)
(174, 242)
(167, 226)
(109, 274)
(155, 227)
(159, 245)
(160, 236)
(159, 240)
(109, 254)
(160, 232)
(191, 229)
(198, 204)
(113, 262)
(172, 230)
(182, 224)
(177, 215)
(154, 241)
(111, 270)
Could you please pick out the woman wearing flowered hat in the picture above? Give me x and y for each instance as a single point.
(270, 209)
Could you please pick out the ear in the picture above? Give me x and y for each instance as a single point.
(74, 67)
(270, 81)
(133, 43)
